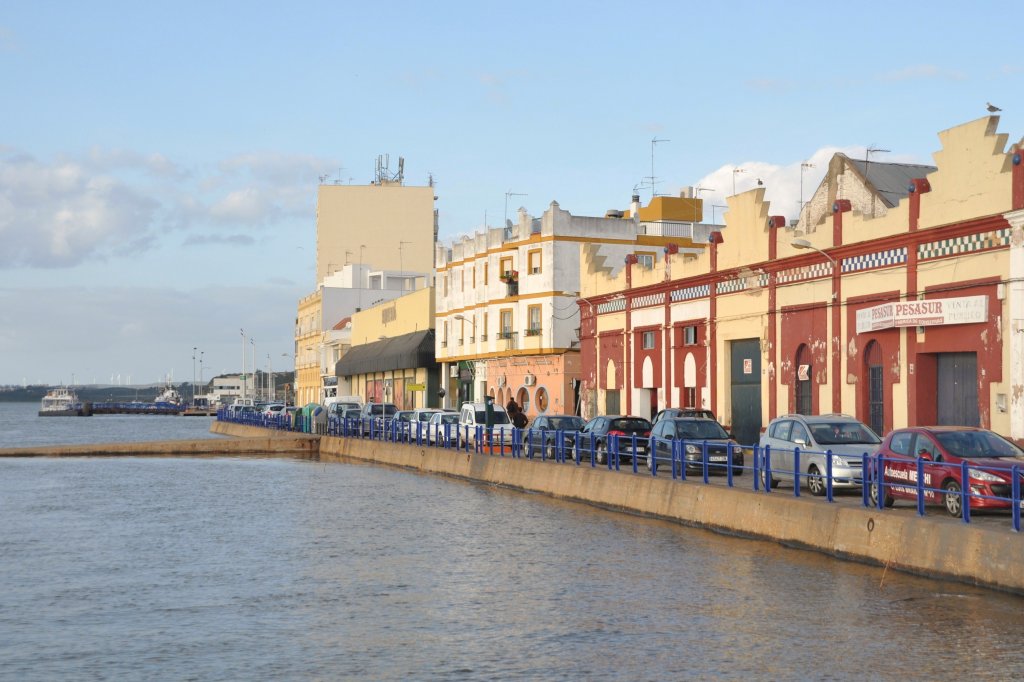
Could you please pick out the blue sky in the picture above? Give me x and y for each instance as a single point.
(159, 164)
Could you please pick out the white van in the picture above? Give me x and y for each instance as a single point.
(475, 414)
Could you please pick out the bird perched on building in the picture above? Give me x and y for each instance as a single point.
(991, 107)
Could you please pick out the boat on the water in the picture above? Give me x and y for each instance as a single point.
(169, 398)
(62, 402)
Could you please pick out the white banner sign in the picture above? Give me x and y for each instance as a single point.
(936, 311)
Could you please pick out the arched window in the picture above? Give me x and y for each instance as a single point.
(542, 400)
(803, 384)
(523, 398)
(875, 393)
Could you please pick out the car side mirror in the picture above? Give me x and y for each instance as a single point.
(924, 454)
(800, 441)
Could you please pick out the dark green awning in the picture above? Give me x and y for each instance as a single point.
(408, 351)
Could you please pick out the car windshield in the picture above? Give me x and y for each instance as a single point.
(499, 417)
(630, 425)
(843, 433)
(700, 430)
(977, 444)
(566, 423)
(450, 418)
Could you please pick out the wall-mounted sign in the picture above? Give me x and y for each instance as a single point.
(803, 372)
(927, 313)
(415, 387)
(748, 366)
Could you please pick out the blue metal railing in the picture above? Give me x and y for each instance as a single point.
(905, 478)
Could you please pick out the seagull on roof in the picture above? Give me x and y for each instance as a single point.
(992, 108)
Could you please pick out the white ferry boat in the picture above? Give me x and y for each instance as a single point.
(169, 398)
(61, 402)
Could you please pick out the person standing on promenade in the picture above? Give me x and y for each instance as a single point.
(488, 417)
(512, 407)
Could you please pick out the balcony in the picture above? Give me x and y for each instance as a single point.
(533, 331)
(512, 288)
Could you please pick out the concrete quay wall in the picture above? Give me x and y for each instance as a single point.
(932, 546)
(254, 442)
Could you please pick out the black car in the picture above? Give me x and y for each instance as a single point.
(544, 432)
(675, 412)
(599, 429)
(694, 432)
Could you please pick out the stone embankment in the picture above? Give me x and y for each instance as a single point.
(934, 546)
(253, 442)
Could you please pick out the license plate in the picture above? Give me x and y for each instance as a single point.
(718, 458)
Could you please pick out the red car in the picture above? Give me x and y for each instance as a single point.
(989, 457)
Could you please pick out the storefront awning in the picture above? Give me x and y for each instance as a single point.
(402, 352)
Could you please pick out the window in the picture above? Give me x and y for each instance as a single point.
(690, 335)
(533, 261)
(648, 340)
(645, 260)
(900, 443)
(533, 323)
(799, 434)
(506, 324)
(506, 265)
(444, 335)
(474, 277)
(483, 328)
(445, 280)
(542, 400)
(485, 273)
(462, 277)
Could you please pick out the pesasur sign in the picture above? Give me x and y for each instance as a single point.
(931, 312)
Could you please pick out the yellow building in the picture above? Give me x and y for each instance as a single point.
(392, 354)
(373, 242)
(388, 226)
(902, 305)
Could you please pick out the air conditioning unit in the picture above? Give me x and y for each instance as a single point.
(529, 380)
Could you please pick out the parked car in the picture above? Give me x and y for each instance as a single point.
(543, 432)
(842, 435)
(674, 412)
(420, 419)
(402, 422)
(694, 432)
(475, 414)
(377, 414)
(273, 409)
(338, 407)
(598, 430)
(435, 429)
(943, 448)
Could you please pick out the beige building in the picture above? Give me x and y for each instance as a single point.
(373, 243)
(392, 354)
(388, 226)
(903, 310)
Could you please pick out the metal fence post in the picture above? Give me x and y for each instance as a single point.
(704, 459)
(828, 475)
(728, 464)
(920, 486)
(965, 494)
(633, 441)
(1015, 495)
(796, 471)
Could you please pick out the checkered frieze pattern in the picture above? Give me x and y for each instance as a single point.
(616, 306)
(702, 291)
(810, 272)
(965, 244)
(645, 301)
(879, 259)
(729, 286)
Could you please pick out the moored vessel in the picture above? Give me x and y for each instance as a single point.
(62, 402)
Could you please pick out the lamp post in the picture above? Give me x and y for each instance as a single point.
(270, 378)
(201, 372)
(243, 363)
(255, 395)
(804, 244)
(471, 322)
(194, 349)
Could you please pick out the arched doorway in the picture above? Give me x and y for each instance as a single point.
(875, 394)
(803, 385)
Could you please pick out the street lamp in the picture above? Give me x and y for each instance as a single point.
(804, 244)
(194, 349)
(467, 319)
(508, 194)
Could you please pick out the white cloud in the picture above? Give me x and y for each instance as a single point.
(109, 203)
(920, 71)
(782, 183)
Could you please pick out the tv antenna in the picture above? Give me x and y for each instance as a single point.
(654, 141)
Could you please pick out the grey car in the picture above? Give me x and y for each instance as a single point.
(846, 438)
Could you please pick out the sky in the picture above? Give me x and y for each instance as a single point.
(159, 162)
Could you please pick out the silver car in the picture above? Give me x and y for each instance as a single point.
(839, 434)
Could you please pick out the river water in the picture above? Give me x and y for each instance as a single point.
(262, 568)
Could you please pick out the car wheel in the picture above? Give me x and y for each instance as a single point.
(954, 506)
(773, 483)
(601, 453)
(815, 483)
(873, 496)
(552, 450)
(650, 461)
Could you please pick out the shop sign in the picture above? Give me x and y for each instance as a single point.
(415, 387)
(927, 313)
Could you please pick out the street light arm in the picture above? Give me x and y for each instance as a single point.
(804, 244)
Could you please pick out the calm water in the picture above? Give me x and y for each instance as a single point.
(21, 426)
(286, 569)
